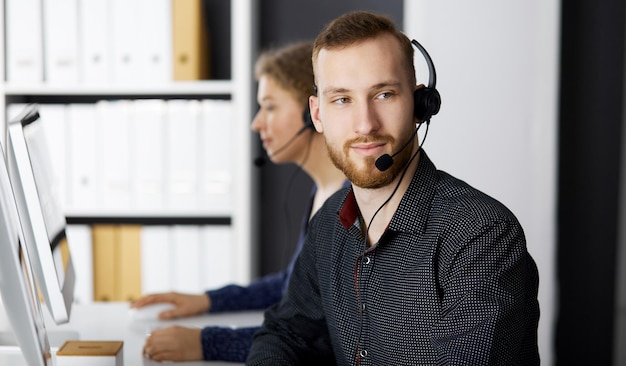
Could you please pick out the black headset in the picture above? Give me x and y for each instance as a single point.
(307, 119)
(427, 100)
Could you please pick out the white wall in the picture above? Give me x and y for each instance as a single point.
(497, 72)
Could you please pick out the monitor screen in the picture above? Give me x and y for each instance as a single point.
(19, 296)
(41, 216)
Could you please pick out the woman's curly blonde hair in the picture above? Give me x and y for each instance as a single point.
(291, 67)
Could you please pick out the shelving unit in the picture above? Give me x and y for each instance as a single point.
(200, 88)
(238, 89)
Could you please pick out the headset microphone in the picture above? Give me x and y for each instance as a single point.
(308, 123)
(426, 103)
(385, 161)
(259, 161)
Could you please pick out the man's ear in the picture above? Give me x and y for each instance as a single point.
(314, 106)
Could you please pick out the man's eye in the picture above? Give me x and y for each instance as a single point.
(385, 95)
(341, 100)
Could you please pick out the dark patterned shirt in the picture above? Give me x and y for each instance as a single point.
(450, 282)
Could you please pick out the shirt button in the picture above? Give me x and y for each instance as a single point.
(363, 353)
(363, 307)
(367, 260)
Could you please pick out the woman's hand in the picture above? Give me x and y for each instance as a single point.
(184, 304)
(174, 343)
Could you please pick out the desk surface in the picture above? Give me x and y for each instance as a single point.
(111, 321)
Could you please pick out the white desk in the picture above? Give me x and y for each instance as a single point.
(111, 321)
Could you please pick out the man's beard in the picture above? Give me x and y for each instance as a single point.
(367, 175)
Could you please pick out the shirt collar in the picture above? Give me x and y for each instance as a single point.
(414, 206)
(349, 211)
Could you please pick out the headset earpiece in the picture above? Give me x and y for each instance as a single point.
(306, 118)
(427, 102)
(427, 99)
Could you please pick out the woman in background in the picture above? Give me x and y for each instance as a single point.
(285, 82)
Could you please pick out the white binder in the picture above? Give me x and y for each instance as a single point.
(181, 149)
(81, 163)
(217, 263)
(126, 46)
(113, 159)
(156, 259)
(61, 41)
(95, 42)
(24, 41)
(148, 156)
(155, 41)
(186, 258)
(217, 151)
(80, 242)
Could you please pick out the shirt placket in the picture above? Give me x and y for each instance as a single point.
(364, 265)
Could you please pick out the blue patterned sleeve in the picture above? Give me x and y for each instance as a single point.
(227, 344)
(259, 295)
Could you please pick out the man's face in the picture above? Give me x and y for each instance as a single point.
(364, 108)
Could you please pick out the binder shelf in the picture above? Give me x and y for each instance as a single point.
(132, 142)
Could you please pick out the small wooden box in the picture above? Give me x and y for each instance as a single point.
(91, 353)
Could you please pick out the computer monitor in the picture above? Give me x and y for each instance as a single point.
(19, 296)
(43, 221)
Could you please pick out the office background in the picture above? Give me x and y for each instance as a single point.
(587, 212)
(552, 72)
